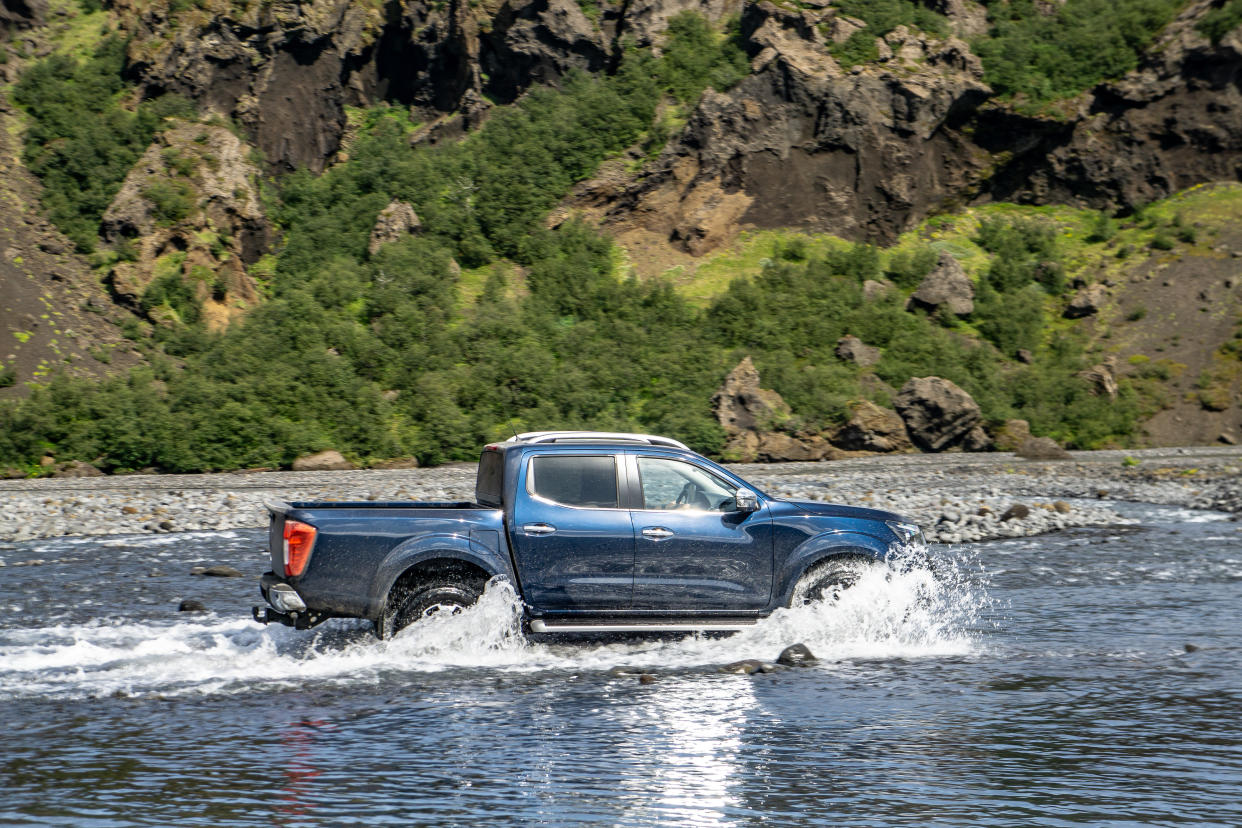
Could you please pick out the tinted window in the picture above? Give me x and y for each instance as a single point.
(672, 484)
(576, 481)
(489, 485)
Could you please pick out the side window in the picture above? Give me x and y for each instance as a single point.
(589, 482)
(672, 484)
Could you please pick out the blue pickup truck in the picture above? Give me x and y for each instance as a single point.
(597, 533)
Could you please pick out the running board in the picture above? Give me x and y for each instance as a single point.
(539, 625)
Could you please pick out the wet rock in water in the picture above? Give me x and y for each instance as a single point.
(745, 667)
(166, 525)
(938, 414)
(1015, 512)
(191, 605)
(1042, 448)
(647, 678)
(218, 571)
(1190, 648)
(797, 655)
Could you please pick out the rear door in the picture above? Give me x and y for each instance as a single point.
(573, 541)
(693, 550)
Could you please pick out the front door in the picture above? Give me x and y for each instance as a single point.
(573, 543)
(694, 551)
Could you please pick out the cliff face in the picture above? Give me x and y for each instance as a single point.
(804, 143)
(1174, 122)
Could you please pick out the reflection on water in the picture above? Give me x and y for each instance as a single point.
(1039, 681)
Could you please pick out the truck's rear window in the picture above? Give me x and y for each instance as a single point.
(574, 480)
(489, 486)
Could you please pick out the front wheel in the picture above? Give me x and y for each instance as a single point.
(441, 596)
(827, 580)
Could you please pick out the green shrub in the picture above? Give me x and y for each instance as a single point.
(172, 200)
(1047, 56)
(695, 57)
(1221, 20)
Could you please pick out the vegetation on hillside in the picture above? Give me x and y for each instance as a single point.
(378, 356)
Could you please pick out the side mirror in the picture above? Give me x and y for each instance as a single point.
(745, 501)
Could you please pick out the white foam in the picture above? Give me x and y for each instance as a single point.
(887, 614)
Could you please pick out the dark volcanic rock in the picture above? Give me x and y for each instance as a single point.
(217, 571)
(938, 414)
(803, 143)
(1086, 302)
(1174, 122)
(1016, 512)
(191, 605)
(741, 405)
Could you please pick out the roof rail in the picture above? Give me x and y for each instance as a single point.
(585, 436)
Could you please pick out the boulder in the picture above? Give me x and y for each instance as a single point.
(191, 605)
(1016, 512)
(946, 286)
(977, 439)
(322, 461)
(873, 291)
(872, 428)
(1086, 302)
(741, 405)
(1042, 448)
(937, 413)
(395, 222)
(775, 447)
(851, 349)
(796, 655)
(76, 468)
(1012, 435)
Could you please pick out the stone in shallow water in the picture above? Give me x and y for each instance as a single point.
(218, 571)
(191, 605)
(797, 655)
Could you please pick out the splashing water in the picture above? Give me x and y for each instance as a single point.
(900, 611)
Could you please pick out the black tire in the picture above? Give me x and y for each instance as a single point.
(827, 580)
(443, 594)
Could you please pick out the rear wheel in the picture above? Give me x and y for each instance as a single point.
(443, 595)
(827, 580)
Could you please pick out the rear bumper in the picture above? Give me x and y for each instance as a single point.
(285, 605)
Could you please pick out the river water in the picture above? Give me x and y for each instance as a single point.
(1089, 677)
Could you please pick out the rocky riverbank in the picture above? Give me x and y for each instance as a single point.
(956, 498)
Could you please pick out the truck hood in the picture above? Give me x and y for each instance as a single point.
(812, 507)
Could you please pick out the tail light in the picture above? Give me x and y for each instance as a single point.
(299, 538)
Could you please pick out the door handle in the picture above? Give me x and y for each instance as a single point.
(538, 529)
(657, 533)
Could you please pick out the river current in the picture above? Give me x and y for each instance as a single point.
(1091, 677)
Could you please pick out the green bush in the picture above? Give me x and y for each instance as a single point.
(1221, 20)
(695, 57)
(81, 143)
(1043, 56)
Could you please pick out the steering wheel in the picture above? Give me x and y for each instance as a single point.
(693, 497)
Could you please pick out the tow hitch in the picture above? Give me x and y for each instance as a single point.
(297, 620)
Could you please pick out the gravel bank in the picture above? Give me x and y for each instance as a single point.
(955, 497)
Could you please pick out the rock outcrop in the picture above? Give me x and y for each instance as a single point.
(1086, 302)
(946, 286)
(1042, 448)
(322, 461)
(189, 206)
(21, 14)
(753, 417)
(804, 143)
(939, 415)
(395, 222)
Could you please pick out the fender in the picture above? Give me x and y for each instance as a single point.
(825, 545)
(469, 548)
